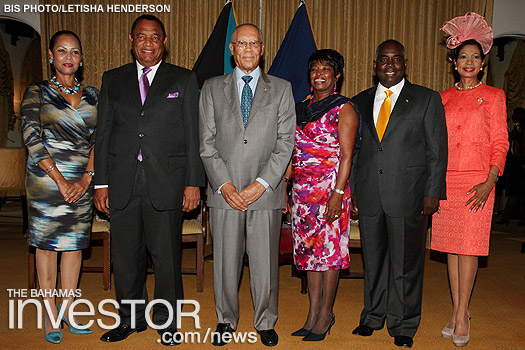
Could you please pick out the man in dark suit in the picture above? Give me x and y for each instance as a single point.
(247, 125)
(397, 181)
(147, 167)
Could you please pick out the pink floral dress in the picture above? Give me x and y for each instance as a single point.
(318, 246)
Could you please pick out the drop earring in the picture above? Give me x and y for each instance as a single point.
(81, 64)
(311, 89)
(50, 61)
(456, 68)
(481, 68)
(335, 87)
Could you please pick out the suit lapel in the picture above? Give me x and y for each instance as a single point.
(262, 92)
(368, 114)
(156, 88)
(399, 109)
(232, 96)
(131, 83)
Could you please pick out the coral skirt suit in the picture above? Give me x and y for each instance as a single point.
(477, 139)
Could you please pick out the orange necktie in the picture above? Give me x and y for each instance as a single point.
(384, 115)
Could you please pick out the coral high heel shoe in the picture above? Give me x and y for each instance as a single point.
(462, 340)
(72, 329)
(447, 332)
(52, 337)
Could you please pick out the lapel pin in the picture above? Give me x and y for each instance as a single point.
(406, 100)
(480, 100)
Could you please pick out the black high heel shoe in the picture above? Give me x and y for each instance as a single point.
(318, 337)
(301, 332)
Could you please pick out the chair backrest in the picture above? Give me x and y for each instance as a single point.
(13, 169)
(100, 226)
(196, 221)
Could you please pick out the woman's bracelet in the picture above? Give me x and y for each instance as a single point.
(51, 168)
(341, 192)
(495, 175)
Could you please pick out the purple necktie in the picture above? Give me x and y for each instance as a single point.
(143, 87)
(144, 83)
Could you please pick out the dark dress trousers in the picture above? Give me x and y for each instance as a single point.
(389, 180)
(145, 198)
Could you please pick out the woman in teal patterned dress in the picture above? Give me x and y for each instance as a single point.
(59, 118)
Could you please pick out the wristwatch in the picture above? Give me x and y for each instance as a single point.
(90, 173)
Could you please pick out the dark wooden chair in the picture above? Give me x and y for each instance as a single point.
(195, 230)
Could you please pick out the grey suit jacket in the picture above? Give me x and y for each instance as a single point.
(231, 152)
(411, 160)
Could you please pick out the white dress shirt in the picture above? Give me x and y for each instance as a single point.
(150, 75)
(255, 74)
(381, 95)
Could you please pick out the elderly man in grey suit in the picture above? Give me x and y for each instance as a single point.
(397, 181)
(247, 125)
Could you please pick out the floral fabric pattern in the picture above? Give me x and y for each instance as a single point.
(318, 246)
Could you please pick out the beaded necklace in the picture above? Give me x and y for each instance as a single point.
(66, 90)
(468, 87)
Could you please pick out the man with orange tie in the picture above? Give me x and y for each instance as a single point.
(397, 180)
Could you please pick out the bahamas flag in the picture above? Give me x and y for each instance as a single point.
(215, 58)
(291, 61)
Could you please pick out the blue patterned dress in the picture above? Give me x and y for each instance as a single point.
(53, 128)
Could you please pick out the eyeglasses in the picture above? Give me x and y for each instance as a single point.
(241, 45)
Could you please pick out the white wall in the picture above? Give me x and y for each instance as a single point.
(509, 18)
(30, 18)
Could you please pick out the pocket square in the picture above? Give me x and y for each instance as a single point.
(173, 95)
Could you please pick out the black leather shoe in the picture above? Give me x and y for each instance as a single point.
(404, 341)
(217, 338)
(363, 331)
(121, 332)
(167, 340)
(269, 337)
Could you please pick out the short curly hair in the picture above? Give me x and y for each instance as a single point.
(329, 56)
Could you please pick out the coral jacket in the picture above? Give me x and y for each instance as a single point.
(477, 128)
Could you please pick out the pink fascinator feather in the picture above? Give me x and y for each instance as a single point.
(470, 26)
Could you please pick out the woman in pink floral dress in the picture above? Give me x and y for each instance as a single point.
(327, 130)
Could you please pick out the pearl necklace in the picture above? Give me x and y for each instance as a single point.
(467, 87)
(66, 90)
